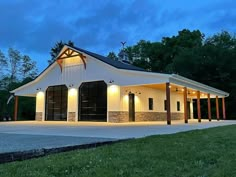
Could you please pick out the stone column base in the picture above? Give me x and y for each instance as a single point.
(123, 116)
(38, 116)
(71, 116)
(118, 116)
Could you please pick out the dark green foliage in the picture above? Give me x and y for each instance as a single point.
(112, 56)
(196, 153)
(26, 109)
(16, 70)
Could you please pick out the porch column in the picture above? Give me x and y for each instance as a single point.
(217, 109)
(209, 106)
(168, 113)
(185, 106)
(198, 106)
(16, 108)
(223, 108)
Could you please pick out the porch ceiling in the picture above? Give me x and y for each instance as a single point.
(192, 93)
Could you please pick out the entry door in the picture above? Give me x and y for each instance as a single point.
(131, 107)
(188, 110)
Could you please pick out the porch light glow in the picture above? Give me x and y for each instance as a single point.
(113, 89)
(40, 94)
(126, 98)
(72, 92)
(194, 92)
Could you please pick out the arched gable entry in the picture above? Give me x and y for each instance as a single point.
(56, 103)
(93, 101)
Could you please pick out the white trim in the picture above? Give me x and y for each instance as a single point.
(176, 79)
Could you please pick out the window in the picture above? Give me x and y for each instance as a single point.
(165, 105)
(178, 106)
(150, 103)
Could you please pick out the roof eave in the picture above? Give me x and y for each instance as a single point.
(194, 84)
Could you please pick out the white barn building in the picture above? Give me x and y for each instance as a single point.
(84, 86)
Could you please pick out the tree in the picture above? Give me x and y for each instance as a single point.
(139, 54)
(28, 67)
(57, 48)
(14, 59)
(3, 62)
(112, 56)
(177, 45)
(20, 71)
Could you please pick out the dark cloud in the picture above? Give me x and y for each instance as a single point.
(34, 26)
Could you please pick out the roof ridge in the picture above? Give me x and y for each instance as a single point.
(114, 63)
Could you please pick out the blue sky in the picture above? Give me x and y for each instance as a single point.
(34, 26)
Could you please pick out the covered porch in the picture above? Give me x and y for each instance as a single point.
(172, 100)
(189, 93)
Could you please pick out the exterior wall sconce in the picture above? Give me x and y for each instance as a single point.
(129, 91)
(111, 81)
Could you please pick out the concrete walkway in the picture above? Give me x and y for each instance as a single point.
(18, 136)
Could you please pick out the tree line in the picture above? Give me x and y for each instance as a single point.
(209, 60)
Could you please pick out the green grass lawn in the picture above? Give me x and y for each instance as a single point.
(200, 153)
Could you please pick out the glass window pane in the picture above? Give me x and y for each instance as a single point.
(93, 101)
(56, 102)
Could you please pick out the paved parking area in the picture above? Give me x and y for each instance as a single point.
(19, 136)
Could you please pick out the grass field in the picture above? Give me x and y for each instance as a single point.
(199, 153)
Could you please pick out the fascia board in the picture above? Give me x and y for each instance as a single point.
(176, 79)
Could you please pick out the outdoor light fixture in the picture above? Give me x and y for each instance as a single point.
(169, 86)
(194, 92)
(111, 81)
(182, 89)
(71, 85)
(176, 89)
